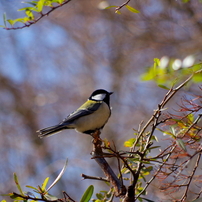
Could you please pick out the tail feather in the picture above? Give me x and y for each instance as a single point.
(51, 130)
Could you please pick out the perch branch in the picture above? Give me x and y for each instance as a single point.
(109, 173)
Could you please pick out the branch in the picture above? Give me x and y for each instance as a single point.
(94, 178)
(191, 177)
(67, 197)
(33, 198)
(159, 169)
(194, 123)
(167, 97)
(40, 17)
(121, 6)
(109, 173)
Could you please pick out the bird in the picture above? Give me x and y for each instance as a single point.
(88, 118)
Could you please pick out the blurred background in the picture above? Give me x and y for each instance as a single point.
(51, 68)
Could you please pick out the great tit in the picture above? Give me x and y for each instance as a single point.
(88, 118)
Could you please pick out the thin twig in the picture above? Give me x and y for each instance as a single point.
(122, 5)
(33, 198)
(67, 197)
(119, 165)
(154, 176)
(94, 178)
(194, 123)
(191, 177)
(167, 97)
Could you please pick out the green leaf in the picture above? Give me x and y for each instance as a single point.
(173, 131)
(4, 17)
(146, 171)
(110, 7)
(118, 11)
(32, 188)
(196, 67)
(154, 138)
(181, 144)
(18, 184)
(132, 9)
(29, 14)
(33, 3)
(152, 71)
(99, 196)
(87, 194)
(190, 117)
(50, 197)
(60, 1)
(130, 142)
(29, 8)
(25, 19)
(16, 197)
(142, 177)
(22, 20)
(125, 170)
(11, 22)
(43, 187)
(156, 62)
(97, 200)
(50, 2)
(197, 77)
(140, 199)
(40, 5)
(154, 147)
(163, 86)
(3, 200)
(6, 194)
(133, 160)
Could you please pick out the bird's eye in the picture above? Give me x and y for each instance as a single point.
(98, 97)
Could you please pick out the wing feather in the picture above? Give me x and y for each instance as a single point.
(87, 108)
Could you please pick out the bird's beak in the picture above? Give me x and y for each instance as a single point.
(111, 93)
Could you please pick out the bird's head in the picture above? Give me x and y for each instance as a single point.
(101, 95)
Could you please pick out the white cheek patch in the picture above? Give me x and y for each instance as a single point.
(99, 97)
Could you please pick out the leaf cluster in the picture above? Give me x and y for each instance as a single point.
(166, 72)
(35, 7)
(43, 191)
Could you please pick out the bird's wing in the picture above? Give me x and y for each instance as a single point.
(87, 108)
